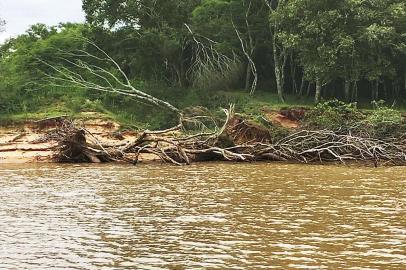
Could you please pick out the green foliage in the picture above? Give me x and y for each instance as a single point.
(379, 123)
(348, 40)
(22, 75)
(383, 114)
(334, 41)
(333, 115)
(78, 104)
(217, 99)
(384, 122)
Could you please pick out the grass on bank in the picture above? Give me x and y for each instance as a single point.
(133, 115)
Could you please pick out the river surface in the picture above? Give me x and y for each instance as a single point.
(205, 216)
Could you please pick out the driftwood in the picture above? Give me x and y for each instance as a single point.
(237, 140)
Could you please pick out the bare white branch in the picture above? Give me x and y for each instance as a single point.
(99, 77)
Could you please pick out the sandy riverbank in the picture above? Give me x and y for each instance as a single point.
(25, 143)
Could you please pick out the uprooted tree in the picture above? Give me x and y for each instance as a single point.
(237, 138)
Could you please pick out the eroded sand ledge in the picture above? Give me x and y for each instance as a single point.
(23, 143)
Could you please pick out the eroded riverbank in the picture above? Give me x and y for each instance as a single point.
(236, 138)
(29, 142)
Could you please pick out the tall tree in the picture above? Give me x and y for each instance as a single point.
(280, 51)
(237, 26)
(159, 22)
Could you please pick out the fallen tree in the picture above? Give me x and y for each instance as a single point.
(238, 140)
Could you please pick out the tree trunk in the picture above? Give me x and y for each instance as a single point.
(405, 81)
(278, 71)
(293, 74)
(309, 89)
(248, 77)
(279, 81)
(302, 85)
(347, 90)
(355, 91)
(318, 91)
(395, 86)
(375, 95)
(249, 55)
(279, 85)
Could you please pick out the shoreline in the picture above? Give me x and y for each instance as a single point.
(149, 159)
(30, 143)
(27, 143)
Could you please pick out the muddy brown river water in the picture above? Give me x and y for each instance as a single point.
(205, 216)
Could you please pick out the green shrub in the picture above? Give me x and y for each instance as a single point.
(220, 99)
(74, 104)
(333, 115)
(278, 133)
(92, 106)
(384, 121)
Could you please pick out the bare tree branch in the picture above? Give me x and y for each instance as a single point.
(208, 63)
(100, 78)
(248, 55)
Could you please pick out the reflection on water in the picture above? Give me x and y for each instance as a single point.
(212, 216)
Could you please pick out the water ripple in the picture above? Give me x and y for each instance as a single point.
(211, 216)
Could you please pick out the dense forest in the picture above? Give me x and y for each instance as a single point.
(352, 50)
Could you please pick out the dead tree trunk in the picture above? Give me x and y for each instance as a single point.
(239, 139)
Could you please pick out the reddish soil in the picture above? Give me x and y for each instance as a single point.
(287, 118)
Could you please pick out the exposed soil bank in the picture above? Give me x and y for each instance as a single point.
(29, 142)
(25, 143)
(283, 137)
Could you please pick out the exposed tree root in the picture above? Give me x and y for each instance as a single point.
(73, 146)
(236, 140)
